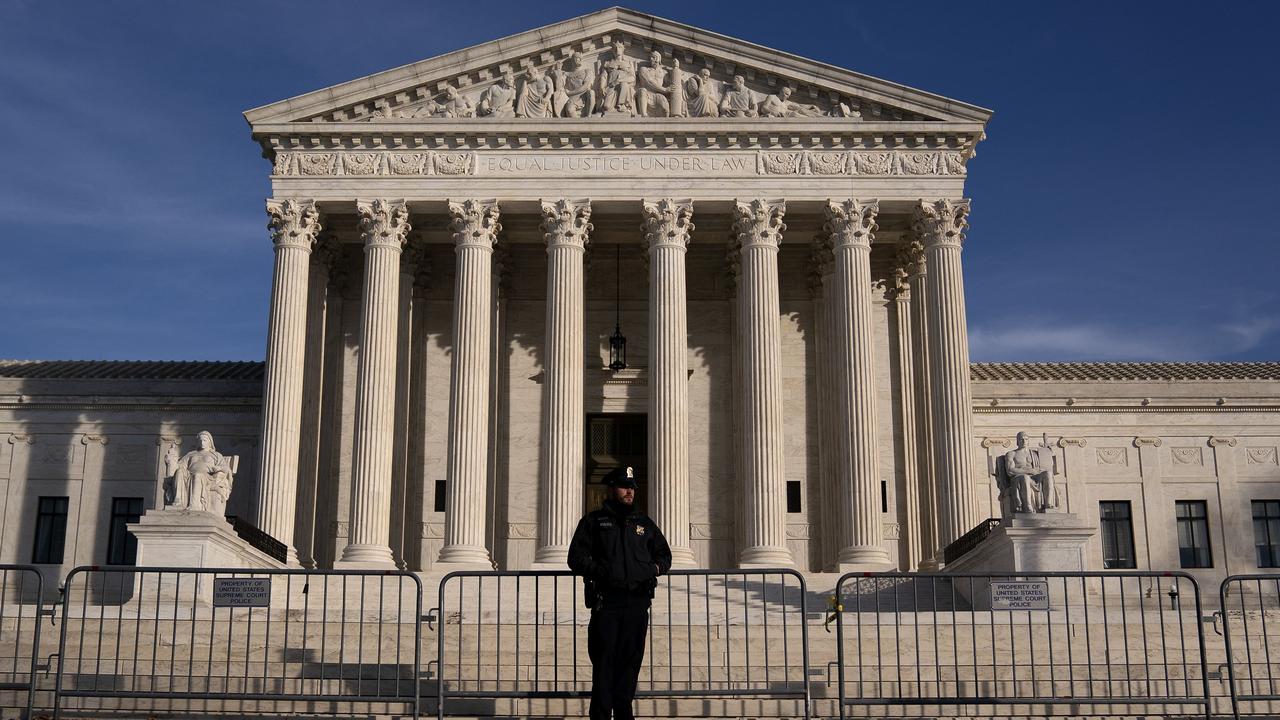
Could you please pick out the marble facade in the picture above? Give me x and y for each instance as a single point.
(448, 242)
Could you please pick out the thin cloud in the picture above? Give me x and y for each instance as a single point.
(1045, 340)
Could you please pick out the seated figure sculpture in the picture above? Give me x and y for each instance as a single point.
(202, 478)
(1024, 476)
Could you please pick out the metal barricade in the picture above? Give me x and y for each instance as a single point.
(239, 641)
(1251, 634)
(21, 597)
(735, 635)
(1116, 642)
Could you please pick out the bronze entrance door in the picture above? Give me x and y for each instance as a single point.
(614, 440)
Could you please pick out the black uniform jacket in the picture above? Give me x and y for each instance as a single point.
(619, 548)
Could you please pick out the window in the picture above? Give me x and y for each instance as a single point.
(1193, 534)
(793, 496)
(438, 498)
(1117, 534)
(51, 530)
(1266, 532)
(122, 546)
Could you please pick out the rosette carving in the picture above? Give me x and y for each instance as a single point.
(667, 222)
(566, 222)
(474, 222)
(293, 223)
(941, 222)
(383, 222)
(759, 223)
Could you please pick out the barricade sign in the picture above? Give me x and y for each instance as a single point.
(1020, 595)
(242, 592)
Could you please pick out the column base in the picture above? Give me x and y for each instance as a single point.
(930, 565)
(551, 557)
(863, 558)
(765, 556)
(462, 557)
(682, 558)
(366, 557)
(291, 557)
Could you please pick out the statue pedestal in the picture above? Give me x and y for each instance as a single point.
(1026, 544)
(194, 539)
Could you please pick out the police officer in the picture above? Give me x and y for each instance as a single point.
(619, 552)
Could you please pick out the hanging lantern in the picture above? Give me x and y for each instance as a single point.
(617, 341)
(617, 350)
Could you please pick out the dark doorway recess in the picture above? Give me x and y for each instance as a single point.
(614, 440)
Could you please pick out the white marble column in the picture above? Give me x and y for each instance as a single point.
(294, 225)
(851, 224)
(758, 229)
(940, 225)
(384, 225)
(475, 228)
(667, 224)
(404, 522)
(909, 537)
(323, 256)
(566, 227)
(820, 284)
(926, 524)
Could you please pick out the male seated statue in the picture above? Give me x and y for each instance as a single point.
(1027, 477)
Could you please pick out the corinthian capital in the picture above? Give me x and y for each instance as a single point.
(759, 223)
(908, 264)
(383, 222)
(293, 223)
(667, 222)
(850, 222)
(941, 222)
(566, 222)
(475, 223)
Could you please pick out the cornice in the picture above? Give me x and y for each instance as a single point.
(1111, 409)
(600, 133)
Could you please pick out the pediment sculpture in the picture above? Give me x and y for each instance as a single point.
(613, 84)
(201, 480)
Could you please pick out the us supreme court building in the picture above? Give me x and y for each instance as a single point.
(619, 240)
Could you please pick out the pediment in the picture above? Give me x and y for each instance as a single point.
(572, 70)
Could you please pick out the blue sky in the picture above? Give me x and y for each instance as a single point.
(1122, 204)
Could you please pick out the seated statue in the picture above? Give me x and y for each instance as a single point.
(1024, 476)
(202, 478)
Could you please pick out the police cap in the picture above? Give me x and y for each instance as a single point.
(621, 477)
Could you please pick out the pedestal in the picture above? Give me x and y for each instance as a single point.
(194, 539)
(1024, 545)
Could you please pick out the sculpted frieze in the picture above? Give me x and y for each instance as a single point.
(579, 163)
(614, 76)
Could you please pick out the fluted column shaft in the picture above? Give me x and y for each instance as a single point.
(566, 227)
(383, 225)
(851, 224)
(928, 492)
(909, 535)
(666, 230)
(294, 225)
(940, 225)
(475, 227)
(820, 280)
(758, 229)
